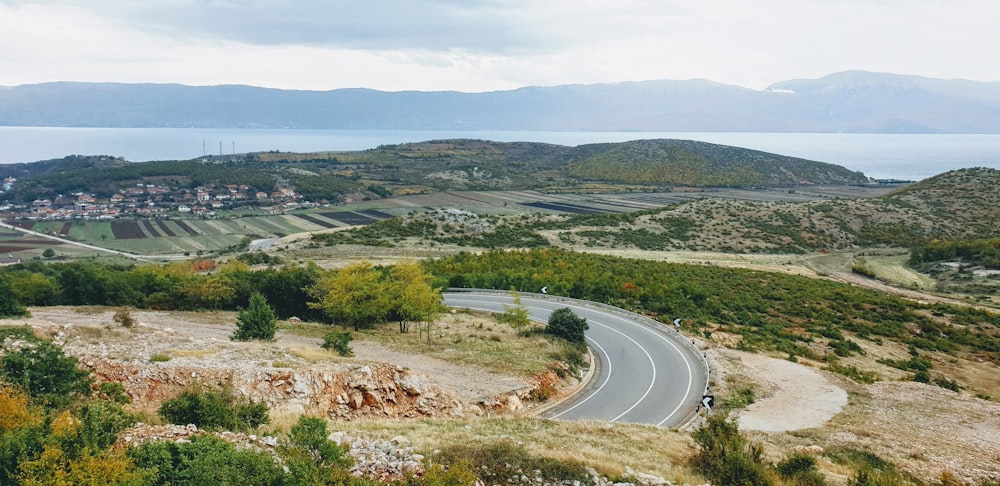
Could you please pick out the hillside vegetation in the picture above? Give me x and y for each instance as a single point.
(957, 205)
(954, 205)
(692, 163)
(441, 165)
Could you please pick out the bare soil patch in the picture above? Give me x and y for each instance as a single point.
(924, 430)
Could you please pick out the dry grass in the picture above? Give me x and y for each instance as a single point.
(606, 447)
(463, 337)
(893, 270)
(313, 355)
(191, 353)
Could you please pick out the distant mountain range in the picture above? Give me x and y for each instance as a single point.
(851, 102)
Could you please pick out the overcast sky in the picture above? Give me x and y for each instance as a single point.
(469, 45)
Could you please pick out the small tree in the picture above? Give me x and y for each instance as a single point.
(311, 458)
(256, 321)
(565, 324)
(354, 296)
(413, 298)
(515, 316)
(48, 253)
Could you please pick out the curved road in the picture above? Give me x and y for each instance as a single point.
(645, 375)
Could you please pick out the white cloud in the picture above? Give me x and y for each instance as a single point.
(487, 45)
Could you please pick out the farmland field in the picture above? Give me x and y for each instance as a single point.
(179, 236)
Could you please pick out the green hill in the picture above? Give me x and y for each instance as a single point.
(691, 163)
(437, 165)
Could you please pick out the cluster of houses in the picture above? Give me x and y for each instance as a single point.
(150, 200)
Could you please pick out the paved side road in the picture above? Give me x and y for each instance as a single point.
(646, 374)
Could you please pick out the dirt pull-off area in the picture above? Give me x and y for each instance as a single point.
(800, 397)
(925, 430)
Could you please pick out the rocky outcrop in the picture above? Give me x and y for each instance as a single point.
(373, 390)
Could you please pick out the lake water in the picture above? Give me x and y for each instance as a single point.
(881, 156)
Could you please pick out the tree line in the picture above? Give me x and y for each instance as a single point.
(985, 252)
(359, 295)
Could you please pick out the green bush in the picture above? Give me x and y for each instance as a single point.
(257, 321)
(42, 370)
(339, 342)
(113, 391)
(205, 460)
(565, 324)
(100, 423)
(214, 410)
(497, 462)
(726, 457)
(800, 469)
(310, 457)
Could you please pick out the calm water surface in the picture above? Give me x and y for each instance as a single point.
(911, 157)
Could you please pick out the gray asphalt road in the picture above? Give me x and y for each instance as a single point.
(645, 374)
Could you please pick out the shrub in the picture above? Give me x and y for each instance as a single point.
(496, 462)
(206, 459)
(214, 409)
(565, 324)
(100, 422)
(45, 373)
(113, 391)
(339, 342)
(123, 316)
(257, 321)
(739, 397)
(726, 457)
(800, 469)
(852, 372)
(311, 457)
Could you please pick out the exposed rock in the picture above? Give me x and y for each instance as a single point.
(363, 391)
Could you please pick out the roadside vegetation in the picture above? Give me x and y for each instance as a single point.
(797, 317)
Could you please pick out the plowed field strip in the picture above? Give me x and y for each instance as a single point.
(315, 220)
(184, 226)
(350, 218)
(165, 229)
(151, 230)
(127, 230)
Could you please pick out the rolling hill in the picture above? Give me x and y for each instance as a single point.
(440, 165)
(954, 205)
